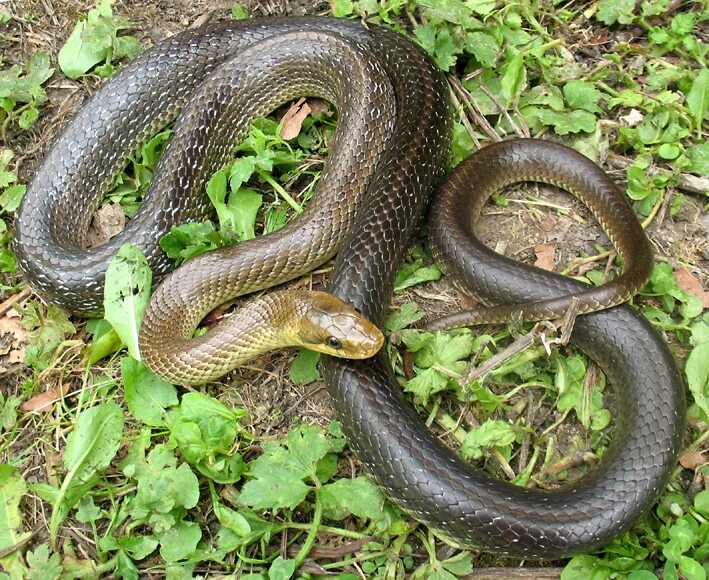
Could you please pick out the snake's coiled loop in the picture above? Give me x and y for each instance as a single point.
(404, 457)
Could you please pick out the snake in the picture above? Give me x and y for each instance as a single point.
(387, 158)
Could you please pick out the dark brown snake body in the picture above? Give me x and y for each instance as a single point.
(377, 204)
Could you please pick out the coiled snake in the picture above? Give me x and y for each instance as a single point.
(389, 150)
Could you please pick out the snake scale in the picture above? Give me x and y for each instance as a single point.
(393, 132)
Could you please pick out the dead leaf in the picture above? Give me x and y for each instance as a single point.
(318, 106)
(293, 119)
(44, 402)
(691, 285)
(632, 119)
(692, 460)
(545, 256)
(12, 338)
(109, 221)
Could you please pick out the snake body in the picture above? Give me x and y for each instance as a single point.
(396, 144)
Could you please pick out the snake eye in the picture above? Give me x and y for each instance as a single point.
(333, 342)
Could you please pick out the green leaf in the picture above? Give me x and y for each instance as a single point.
(403, 316)
(699, 157)
(697, 370)
(274, 492)
(484, 48)
(187, 241)
(246, 203)
(280, 471)
(418, 276)
(281, 569)
(11, 198)
(163, 487)
(514, 78)
(89, 43)
(491, 433)
(358, 496)
(698, 97)
(582, 95)
(126, 47)
(126, 294)
(180, 542)
(340, 9)
(612, 11)
(691, 569)
(90, 448)
(701, 502)
(42, 565)
(147, 395)
(565, 122)
(304, 368)
(427, 383)
(12, 488)
(206, 431)
(238, 12)
(49, 329)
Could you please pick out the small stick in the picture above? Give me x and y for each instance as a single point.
(12, 300)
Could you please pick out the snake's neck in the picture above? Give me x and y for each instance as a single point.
(181, 358)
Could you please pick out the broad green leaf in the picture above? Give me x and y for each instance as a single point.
(180, 542)
(403, 316)
(358, 496)
(565, 122)
(245, 204)
(281, 569)
(304, 368)
(514, 77)
(582, 95)
(274, 492)
(12, 488)
(162, 485)
(187, 241)
(206, 431)
(84, 48)
(697, 370)
(612, 11)
(491, 433)
(147, 395)
(701, 502)
(11, 198)
(699, 158)
(698, 97)
(341, 8)
(90, 449)
(42, 565)
(126, 294)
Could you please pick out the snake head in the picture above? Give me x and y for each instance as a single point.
(328, 325)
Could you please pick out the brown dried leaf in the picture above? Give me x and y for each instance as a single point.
(293, 119)
(691, 285)
(692, 460)
(12, 337)
(43, 402)
(545, 256)
(318, 106)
